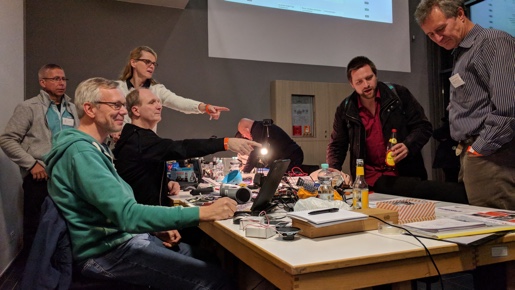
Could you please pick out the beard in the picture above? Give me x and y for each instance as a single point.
(366, 96)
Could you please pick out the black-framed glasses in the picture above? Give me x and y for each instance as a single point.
(56, 79)
(148, 62)
(114, 105)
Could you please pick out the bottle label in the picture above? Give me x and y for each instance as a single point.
(360, 171)
(393, 141)
(389, 159)
(364, 198)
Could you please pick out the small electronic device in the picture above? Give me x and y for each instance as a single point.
(288, 233)
(203, 190)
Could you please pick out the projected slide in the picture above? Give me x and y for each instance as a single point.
(498, 14)
(371, 10)
(250, 32)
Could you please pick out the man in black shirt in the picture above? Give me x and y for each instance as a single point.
(141, 154)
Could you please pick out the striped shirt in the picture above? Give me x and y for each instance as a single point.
(484, 106)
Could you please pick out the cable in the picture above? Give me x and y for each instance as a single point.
(296, 171)
(425, 248)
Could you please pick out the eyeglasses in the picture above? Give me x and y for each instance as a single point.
(148, 62)
(56, 79)
(115, 105)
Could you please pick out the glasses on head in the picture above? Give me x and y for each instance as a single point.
(115, 105)
(148, 62)
(56, 79)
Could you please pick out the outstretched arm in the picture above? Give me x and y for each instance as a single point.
(213, 111)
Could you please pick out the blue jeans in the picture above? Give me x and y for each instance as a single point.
(144, 260)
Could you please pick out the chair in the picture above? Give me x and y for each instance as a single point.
(50, 261)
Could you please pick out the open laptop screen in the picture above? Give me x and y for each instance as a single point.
(272, 181)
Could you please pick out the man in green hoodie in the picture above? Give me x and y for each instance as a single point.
(108, 228)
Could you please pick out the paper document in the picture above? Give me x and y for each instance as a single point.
(450, 228)
(444, 224)
(328, 218)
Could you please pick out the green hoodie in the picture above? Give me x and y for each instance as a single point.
(98, 205)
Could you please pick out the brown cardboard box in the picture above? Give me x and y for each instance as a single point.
(410, 209)
(310, 231)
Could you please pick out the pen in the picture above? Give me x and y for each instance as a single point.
(327, 210)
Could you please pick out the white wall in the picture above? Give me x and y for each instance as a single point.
(12, 92)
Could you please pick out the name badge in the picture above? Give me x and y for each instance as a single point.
(68, 122)
(456, 81)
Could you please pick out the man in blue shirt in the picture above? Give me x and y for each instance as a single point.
(482, 100)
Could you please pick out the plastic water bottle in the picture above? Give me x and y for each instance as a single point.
(325, 177)
(219, 170)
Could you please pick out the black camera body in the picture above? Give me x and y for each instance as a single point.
(268, 122)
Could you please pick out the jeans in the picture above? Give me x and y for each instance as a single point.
(144, 260)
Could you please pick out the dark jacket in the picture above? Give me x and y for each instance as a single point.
(282, 146)
(140, 157)
(50, 261)
(399, 110)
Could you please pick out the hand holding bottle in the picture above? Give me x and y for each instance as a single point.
(399, 152)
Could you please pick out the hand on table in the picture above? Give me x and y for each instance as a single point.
(222, 208)
(173, 188)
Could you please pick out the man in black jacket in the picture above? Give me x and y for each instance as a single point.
(281, 145)
(141, 154)
(364, 121)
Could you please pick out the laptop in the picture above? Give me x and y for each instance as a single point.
(263, 201)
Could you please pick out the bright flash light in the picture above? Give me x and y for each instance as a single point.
(264, 151)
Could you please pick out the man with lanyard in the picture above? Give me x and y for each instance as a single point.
(482, 100)
(28, 136)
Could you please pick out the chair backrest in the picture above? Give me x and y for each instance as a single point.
(50, 261)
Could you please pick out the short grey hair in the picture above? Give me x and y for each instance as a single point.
(44, 69)
(88, 91)
(448, 7)
(132, 99)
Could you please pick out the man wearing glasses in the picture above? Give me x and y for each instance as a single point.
(28, 136)
(109, 229)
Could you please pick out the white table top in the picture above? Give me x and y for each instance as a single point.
(354, 248)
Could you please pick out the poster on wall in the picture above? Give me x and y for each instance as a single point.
(302, 116)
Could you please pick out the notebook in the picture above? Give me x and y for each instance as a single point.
(263, 200)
